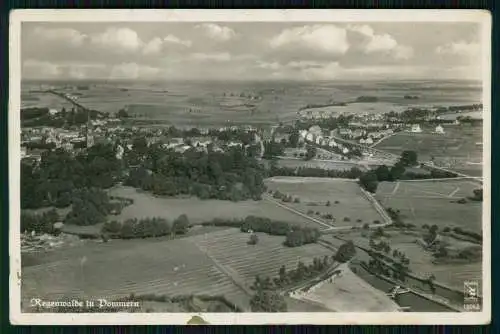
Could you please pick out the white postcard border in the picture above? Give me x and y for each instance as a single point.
(184, 15)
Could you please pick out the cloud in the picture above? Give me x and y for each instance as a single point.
(40, 69)
(133, 71)
(217, 32)
(66, 35)
(381, 43)
(220, 57)
(118, 39)
(460, 48)
(325, 38)
(156, 45)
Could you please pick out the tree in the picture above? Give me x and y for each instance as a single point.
(293, 139)
(345, 252)
(369, 181)
(311, 153)
(383, 173)
(181, 224)
(267, 301)
(122, 114)
(254, 239)
(409, 158)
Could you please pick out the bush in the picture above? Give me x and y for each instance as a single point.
(359, 220)
(337, 202)
(447, 229)
(345, 252)
(296, 200)
(347, 219)
(376, 222)
(328, 203)
(366, 226)
(310, 212)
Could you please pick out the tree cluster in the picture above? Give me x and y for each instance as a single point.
(231, 175)
(90, 207)
(146, 228)
(345, 252)
(52, 182)
(40, 223)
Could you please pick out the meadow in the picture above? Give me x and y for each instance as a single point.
(198, 211)
(431, 202)
(457, 149)
(345, 197)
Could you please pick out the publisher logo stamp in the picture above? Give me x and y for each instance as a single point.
(471, 295)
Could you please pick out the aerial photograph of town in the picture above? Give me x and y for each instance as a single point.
(251, 167)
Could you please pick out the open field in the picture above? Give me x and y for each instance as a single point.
(314, 193)
(254, 102)
(230, 250)
(118, 268)
(429, 202)
(457, 149)
(350, 293)
(198, 211)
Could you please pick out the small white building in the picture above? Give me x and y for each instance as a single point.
(345, 150)
(369, 141)
(315, 130)
(416, 128)
(52, 112)
(439, 129)
(310, 137)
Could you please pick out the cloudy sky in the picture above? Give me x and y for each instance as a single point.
(250, 51)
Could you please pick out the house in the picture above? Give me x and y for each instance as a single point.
(369, 141)
(279, 137)
(319, 140)
(345, 132)
(439, 129)
(303, 133)
(416, 128)
(23, 152)
(309, 137)
(315, 130)
(357, 133)
(119, 152)
(52, 112)
(362, 140)
(345, 150)
(332, 143)
(67, 146)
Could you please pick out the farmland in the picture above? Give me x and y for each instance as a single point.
(314, 193)
(118, 268)
(193, 265)
(229, 248)
(456, 149)
(217, 103)
(430, 202)
(147, 205)
(421, 261)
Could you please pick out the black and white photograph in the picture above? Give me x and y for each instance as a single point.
(250, 167)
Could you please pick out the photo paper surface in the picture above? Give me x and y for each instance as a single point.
(250, 167)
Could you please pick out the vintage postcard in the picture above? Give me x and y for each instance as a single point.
(250, 167)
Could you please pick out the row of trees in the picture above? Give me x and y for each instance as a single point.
(353, 173)
(145, 228)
